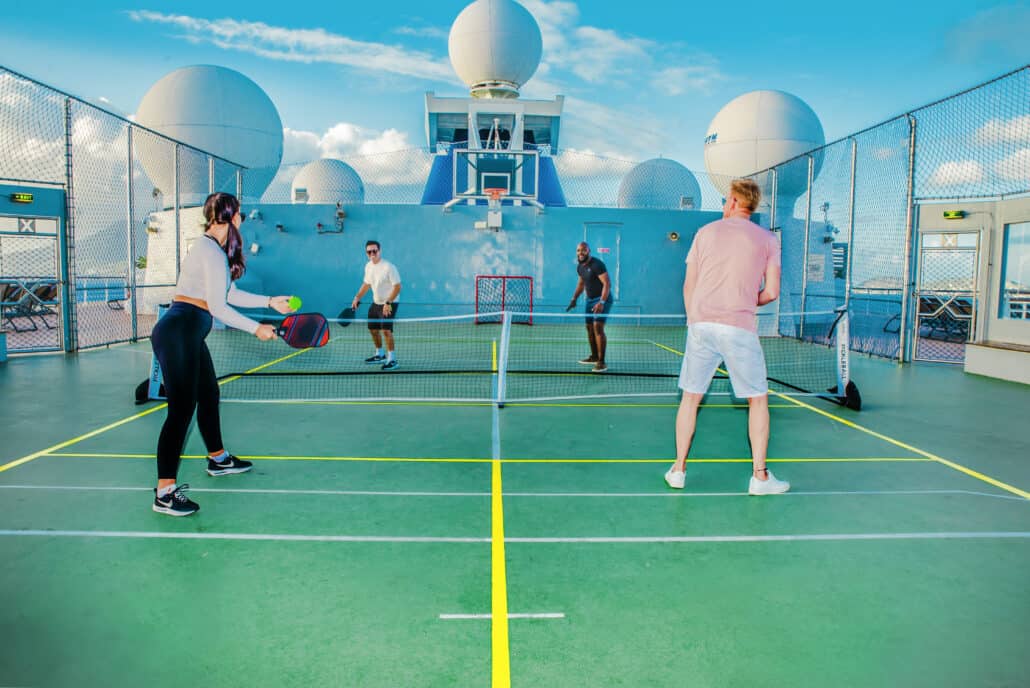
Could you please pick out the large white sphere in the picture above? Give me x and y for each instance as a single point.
(328, 181)
(660, 183)
(495, 47)
(757, 130)
(219, 111)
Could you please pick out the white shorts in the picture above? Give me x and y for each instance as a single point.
(708, 345)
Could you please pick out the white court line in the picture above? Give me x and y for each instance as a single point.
(613, 495)
(989, 535)
(465, 617)
(272, 537)
(276, 537)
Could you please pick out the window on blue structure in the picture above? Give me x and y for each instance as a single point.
(1015, 273)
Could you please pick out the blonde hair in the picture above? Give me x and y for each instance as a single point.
(747, 192)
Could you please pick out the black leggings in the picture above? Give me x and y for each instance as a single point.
(190, 384)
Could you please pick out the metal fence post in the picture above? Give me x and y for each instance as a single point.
(130, 228)
(772, 205)
(908, 284)
(804, 259)
(239, 184)
(178, 210)
(67, 240)
(210, 175)
(851, 226)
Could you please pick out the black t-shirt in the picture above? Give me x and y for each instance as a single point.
(590, 272)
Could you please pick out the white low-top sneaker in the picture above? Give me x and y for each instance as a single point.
(675, 479)
(767, 487)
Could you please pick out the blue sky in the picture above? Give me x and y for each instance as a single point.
(641, 79)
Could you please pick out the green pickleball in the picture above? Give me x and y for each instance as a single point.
(295, 303)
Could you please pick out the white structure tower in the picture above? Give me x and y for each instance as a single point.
(757, 130)
(217, 110)
(495, 47)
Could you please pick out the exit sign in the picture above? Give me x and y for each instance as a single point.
(21, 197)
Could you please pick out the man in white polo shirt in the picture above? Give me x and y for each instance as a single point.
(385, 282)
(733, 267)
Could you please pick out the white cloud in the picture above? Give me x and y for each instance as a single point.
(958, 172)
(1015, 166)
(592, 124)
(1015, 130)
(341, 140)
(303, 45)
(423, 32)
(999, 31)
(574, 52)
(379, 156)
(675, 81)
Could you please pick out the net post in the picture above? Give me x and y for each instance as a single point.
(530, 280)
(502, 358)
(843, 353)
(478, 278)
(156, 380)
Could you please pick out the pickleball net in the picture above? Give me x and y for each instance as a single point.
(454, 359)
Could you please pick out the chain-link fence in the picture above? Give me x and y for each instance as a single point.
(845, 211)
(101, 271)
(856, 211)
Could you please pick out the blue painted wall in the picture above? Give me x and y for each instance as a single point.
(439, 254)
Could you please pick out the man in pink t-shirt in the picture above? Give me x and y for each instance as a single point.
(727, 265)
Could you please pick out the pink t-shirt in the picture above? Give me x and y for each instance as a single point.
(731, 256)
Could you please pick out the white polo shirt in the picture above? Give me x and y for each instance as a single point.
(382, 278)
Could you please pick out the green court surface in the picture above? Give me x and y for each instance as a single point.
(433, 544)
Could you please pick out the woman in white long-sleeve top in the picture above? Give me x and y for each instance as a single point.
(204, 291)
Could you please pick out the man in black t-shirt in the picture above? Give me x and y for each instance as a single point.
(593, 277)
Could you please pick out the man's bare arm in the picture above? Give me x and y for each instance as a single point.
(689, 283)
(771, 292)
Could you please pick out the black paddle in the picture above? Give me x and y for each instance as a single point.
(304, 330)
(346, 317)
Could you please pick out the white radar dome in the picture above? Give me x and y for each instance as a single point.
(495, 47)
(327, 181)
(758, 130)
(216, 110)
(660, 184)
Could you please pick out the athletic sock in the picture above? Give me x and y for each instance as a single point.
(165, 491)
(379, 352)
(220, 458)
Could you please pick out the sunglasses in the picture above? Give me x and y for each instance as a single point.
(372, 251)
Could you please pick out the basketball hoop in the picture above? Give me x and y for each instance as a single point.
(494, 196)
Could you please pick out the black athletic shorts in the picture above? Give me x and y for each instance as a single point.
(377, 320)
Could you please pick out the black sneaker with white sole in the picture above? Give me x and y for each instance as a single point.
(228, 466)
(377, 358)
(175, 503)
(391, 365)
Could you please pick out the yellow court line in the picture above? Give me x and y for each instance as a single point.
(600, 405)
(747, 460)
(399, 459)
(933, 457)
(501, 659)
(410, 459)
(48, 451)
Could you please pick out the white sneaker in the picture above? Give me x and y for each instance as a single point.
(675, 479)
(767, 487)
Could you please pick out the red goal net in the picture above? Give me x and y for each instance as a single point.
(496, 293)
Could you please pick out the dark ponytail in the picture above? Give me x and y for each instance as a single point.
(219, 208)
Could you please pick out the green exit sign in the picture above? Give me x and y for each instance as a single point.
(21, 197)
